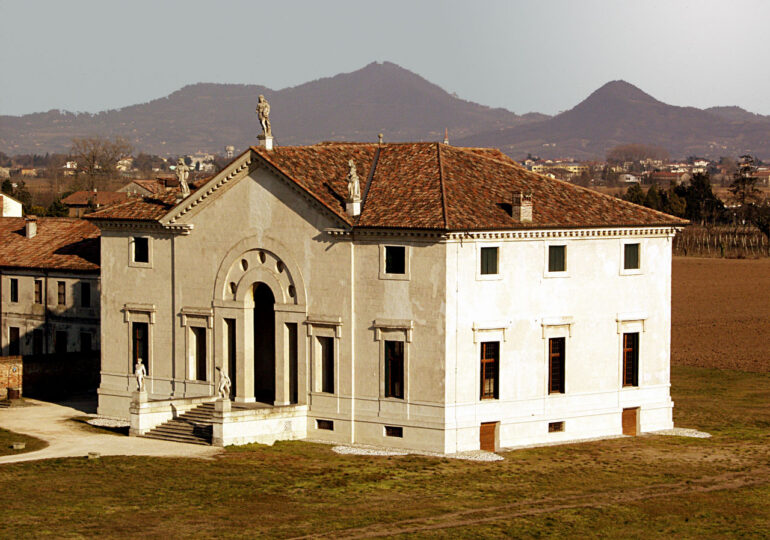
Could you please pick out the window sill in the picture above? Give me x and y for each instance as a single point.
(631, 272)
(548, 275)
(488, 277)
(394, 277)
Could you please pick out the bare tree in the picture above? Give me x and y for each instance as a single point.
(97, 157)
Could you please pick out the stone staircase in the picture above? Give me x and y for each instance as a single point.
(193, 427)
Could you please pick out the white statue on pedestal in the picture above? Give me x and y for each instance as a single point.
(140, 372)
(182, 172)
(263, 113)
(224, 385)
(354, 185)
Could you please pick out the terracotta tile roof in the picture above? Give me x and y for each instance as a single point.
(98, 198)
(437, 186)
(138, 208)
(153, 186)
(60, 244)
(426, 186)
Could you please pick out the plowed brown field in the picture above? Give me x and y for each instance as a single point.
(721, 313)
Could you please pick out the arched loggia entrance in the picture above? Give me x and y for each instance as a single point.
(256, 290)
(264, 344)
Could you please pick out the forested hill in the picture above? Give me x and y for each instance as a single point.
(379, 98)
(620, 113)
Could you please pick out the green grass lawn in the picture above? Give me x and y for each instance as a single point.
(7, 438)
(649, 486)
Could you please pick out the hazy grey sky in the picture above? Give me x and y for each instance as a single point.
(546, 56)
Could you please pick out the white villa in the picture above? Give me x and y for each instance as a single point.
(427, 297)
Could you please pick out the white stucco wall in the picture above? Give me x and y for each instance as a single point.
(524, 305)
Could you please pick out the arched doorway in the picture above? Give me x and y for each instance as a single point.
(264, 344)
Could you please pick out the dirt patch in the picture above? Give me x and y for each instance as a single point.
(720, 312)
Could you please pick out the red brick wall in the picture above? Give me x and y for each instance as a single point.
(10, 374)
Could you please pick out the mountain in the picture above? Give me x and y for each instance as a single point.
(379, 98)
(620, 113)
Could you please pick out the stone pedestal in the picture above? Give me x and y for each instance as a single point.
(139, 419)
(222, 405)
(353, 208)
(265, 141)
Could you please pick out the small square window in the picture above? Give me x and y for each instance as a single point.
(14, 290)
(555, 427)
(141, 250)
(489, 260)
(327, 425)
(557, 258)
(394, 431)
(631, 257)
(395, 260)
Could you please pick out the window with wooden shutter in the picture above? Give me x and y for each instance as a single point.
(394, 369)
(490, 361)
(61, 289)
(556, 354)
(38, 291)
(631, 359)
(488, 260)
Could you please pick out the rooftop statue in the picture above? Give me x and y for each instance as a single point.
(182, 173)
(263, 113)
(354, 186)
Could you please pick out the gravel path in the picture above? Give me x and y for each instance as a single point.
(52, 423)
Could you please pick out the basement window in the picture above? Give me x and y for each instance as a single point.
(327, 425)
(394, 431)
(555, 427)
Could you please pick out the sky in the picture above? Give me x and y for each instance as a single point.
(526, 56)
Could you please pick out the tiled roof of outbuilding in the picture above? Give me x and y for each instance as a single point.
(98, 198)
(60, 244)
(427, 186)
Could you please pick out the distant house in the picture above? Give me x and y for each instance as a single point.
(82, 202)
(28, 171)
(667, 178)
(49, 286)
(628, 178)
(763, 177)
(9, 207)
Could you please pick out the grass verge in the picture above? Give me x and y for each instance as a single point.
(631, 487)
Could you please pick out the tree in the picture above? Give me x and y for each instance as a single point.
(57, 209)
(98, 157)
(654, 198)
(636, 153)
(744, 187)
(700, 202)
(7, 187)
(635, 194)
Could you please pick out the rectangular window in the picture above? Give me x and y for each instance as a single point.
(489, 260)
(14, 290)
(85, 342)
(631, 256)
(61, 290)
(327, 364)
(490, 360)
(395, 260)
(14, 341)
(394, 431)
(198, 350)
(38, 291)
(631, 359)
(325, 424)
(85, 294)
(37, 341)
(394, 369)
(557, 258)
(556, 351)
(60, 341)
(230, 350)
(141, 250)
(555, 427)
(140, 345)
(291, 335)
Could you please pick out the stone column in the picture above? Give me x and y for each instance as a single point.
(244, 391)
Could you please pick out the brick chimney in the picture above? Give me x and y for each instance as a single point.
(521, 206)
(30, 226)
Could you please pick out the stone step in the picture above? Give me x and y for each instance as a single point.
(194, 426)
(178, 438)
